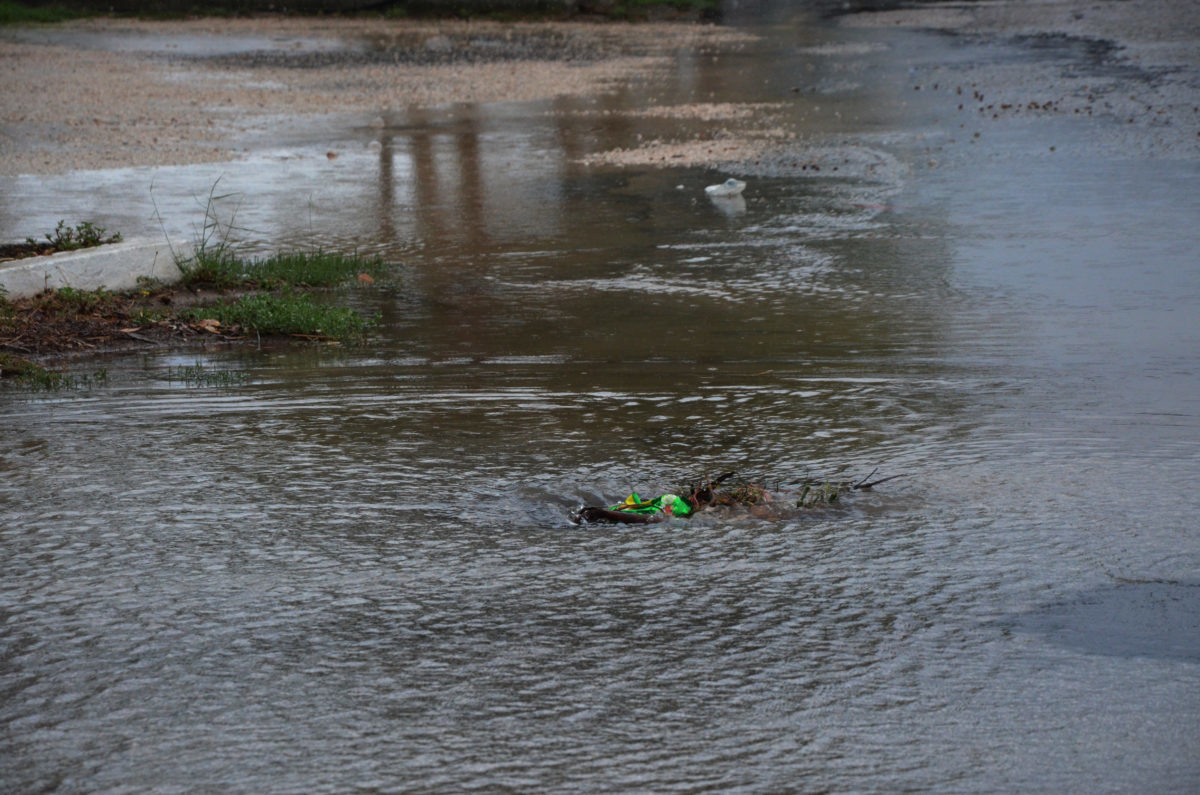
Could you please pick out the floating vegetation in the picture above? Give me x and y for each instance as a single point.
(809, 493)
(197, 375)
(22, 372)
(814, 494)
(25, 372)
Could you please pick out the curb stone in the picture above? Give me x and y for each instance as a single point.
(112, 266)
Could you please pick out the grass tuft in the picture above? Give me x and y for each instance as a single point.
(288, 313)
(218, 267)
(63, 238)
(23, 371)
(84, 235)
(216, 263)
(80, 301)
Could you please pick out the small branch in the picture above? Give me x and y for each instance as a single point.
(860, 483)
(864, 486)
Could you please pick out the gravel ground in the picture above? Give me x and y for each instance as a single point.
(1136, 68)
(113, 93)
(1137, 63)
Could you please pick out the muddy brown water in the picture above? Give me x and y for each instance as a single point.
(352, 567)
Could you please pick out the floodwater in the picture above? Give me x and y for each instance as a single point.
(350, 568)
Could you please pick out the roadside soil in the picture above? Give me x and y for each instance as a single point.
(56, 325)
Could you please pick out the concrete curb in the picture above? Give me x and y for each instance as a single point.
(114, 266)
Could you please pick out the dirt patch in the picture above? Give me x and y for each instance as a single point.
(64, 238)
(687, 154)
(64, 322)
(12, 251)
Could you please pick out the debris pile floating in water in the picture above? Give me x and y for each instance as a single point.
(727, 189)
(704, 496)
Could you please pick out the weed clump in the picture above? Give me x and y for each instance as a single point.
(84, 235)
(82, 302)
(63, 238)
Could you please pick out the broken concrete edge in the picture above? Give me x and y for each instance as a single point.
(116, 267)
